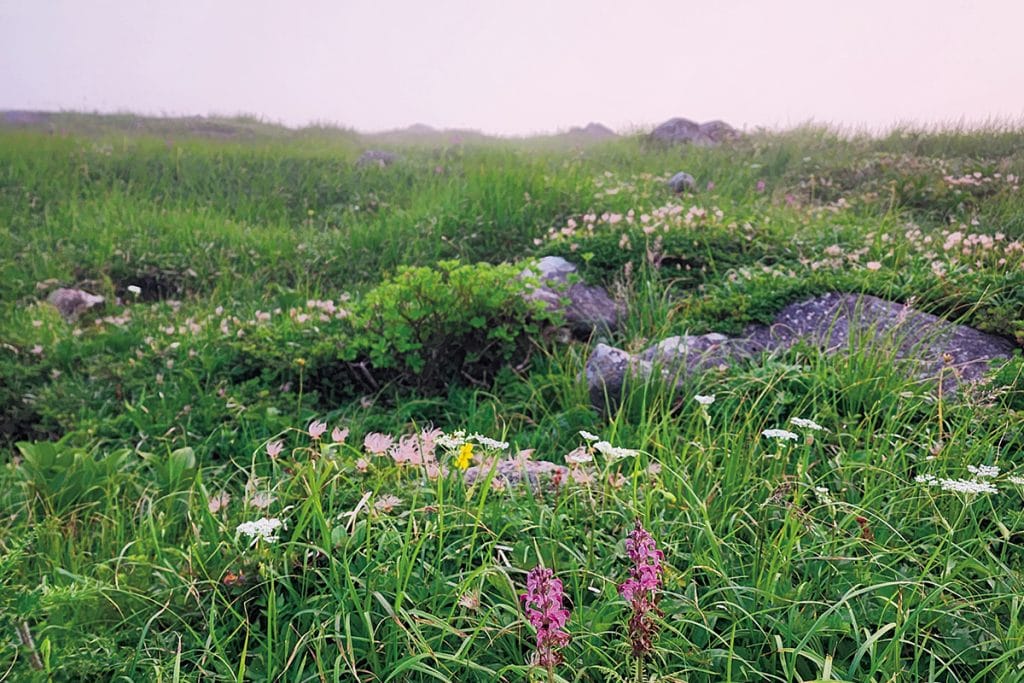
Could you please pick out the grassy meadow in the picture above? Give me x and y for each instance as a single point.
(261, 287)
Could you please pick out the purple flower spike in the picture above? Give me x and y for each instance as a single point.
(641, 588)
(544, 609)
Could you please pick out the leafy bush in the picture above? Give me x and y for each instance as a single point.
(427, 327)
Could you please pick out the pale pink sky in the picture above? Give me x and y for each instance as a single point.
(521, 66)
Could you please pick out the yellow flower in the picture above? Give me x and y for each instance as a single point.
(465, 456)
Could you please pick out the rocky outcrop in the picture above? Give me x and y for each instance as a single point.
(930, 349)
(587, 308)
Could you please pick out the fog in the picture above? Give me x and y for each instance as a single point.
(523, 67)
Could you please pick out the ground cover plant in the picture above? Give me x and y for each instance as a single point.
(250, 463)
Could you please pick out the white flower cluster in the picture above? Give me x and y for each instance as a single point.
(588, 436)
(261, 530)
(457, 438)
(780, 434)
(957, 485)
(806, 424)
(1019, 481)
(704, 400)
(493, 444)
(614, 452)
(984, 471)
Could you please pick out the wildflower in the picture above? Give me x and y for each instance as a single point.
(543, 604)
(873, 265)
(780, 434)
(613, 452)
(465, 456)
(135, 290)
(274, 449)
(453, 440)
(967, 486)
(386, 503)
(1019, 481)
(362, 464)
(641, 588)
(470, 600)
(578, 456)
(704, 400)
(218, 502)
(376, 443)
(493, 444)
(617, 480)
(581, 477)
(806, 424)
(588, 436)
(761, 185)
(984, 471)
(261, 530)
(316, 429)
(261, 500)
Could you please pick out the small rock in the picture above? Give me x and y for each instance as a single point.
(682, 181)
(374, 157)
(587, 309)
(73, 302)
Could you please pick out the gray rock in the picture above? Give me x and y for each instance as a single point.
(928, 347)
(717, 132)
(682, 181)
(587, 309)
(515, 471)
(593, 131)
(680, 130)
(374, 157)
(73, 302)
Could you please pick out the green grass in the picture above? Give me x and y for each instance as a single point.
(821, 558)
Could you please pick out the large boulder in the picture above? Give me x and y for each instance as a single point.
(930, 349)
(587, 308)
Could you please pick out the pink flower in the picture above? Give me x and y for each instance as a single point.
(274, 449)
(711, 185)
(376, 443)
(219, 502)
(338, 435)
(316, 429)
(641, 588)
(873, 265)
(761, 185)
(543, 604)
(362, 464)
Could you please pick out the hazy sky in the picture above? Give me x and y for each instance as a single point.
(520, 66)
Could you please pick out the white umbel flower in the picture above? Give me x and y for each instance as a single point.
(780, 434)
(261, 530)
(984, 471)
(967, 486)
(614, 452)
(704, 400)
(806, 424)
